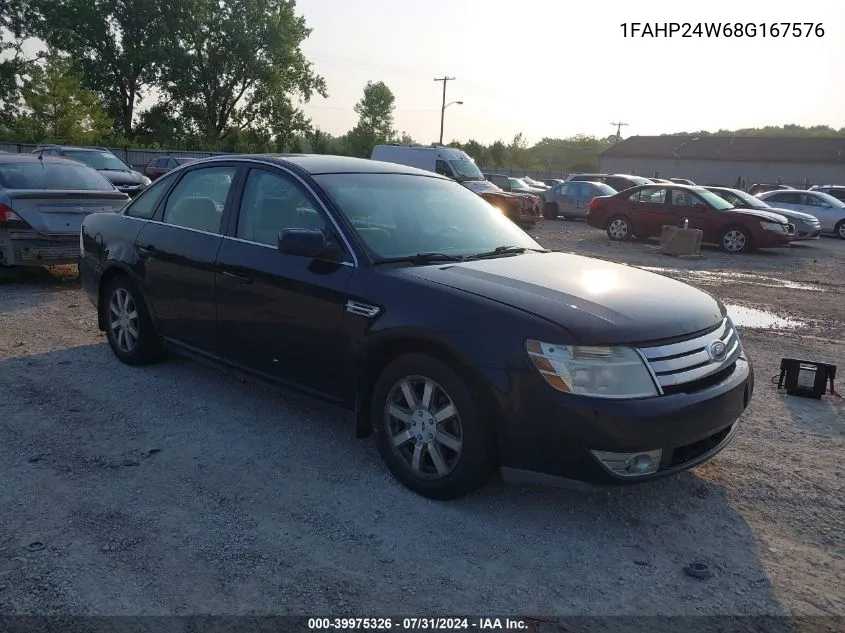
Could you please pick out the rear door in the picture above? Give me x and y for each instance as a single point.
(648, 210)
(282, 314)
(178, 251)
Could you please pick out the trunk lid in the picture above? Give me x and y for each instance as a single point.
(52, 212)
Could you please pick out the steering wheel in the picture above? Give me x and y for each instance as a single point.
(449, 232)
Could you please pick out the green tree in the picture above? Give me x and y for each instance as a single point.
(319, 141)
(119, 45)
(497, 152)
(405, 139)
(476, 151)
(237, 65)
(57, 108)
(375, 120)
(15, 67)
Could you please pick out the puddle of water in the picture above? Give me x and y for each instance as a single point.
(744, 316)
(714, 276)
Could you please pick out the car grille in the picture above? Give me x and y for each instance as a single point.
(687, 365)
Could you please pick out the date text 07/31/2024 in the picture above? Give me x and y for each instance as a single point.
(781, 30)
(416, 624)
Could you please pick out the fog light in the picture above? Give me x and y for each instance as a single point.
(630, 464)
(638, 465)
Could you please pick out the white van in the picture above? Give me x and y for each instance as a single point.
(446, 161)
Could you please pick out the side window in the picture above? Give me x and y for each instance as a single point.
(144, 206)
(578, 190)
(681, 198)
(785, 198)
(160, 163)
(649, 196)
(813, 201)
(564, 189)
(271, 203)
(442, 168)
(197, 201)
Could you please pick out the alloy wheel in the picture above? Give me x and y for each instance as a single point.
(123, 320)
(423, 427)
(734, 241)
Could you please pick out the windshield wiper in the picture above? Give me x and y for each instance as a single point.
(506, 250)
(420, 258)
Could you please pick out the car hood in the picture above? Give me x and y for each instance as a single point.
(598, 301)
(789, 214)
(771, 216)
(122, 176)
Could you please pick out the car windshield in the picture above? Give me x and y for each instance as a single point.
(518, 182)
(603, 189)
(751, 201)
(48, 175)
(97, 160)
(640, 181)
(401, 215)
(715, 201)
(466, 170)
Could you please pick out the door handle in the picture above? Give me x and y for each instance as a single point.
(243, 280)
(147, 252)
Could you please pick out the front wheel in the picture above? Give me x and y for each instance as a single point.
(840, 230)
(736, 240)
(619, 228)
(429, 428)
(129, 327)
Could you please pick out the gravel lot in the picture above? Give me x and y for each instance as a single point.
(180, 489)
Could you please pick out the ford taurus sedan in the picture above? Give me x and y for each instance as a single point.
(643, 211)
(441, 326)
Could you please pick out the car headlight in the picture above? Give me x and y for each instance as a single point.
(774, 226)
(600, 372)
(145, 181)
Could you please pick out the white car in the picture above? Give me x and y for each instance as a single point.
(829, 210)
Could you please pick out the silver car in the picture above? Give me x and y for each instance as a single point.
(829, 211)
(43, 200)
(806, 226)
(573, 198)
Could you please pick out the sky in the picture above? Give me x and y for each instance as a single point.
(548, 68)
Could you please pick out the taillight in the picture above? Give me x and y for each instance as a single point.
(594, 204)
(7, 215)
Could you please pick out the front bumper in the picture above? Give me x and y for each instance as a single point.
(807, 234)
(550, 437)
(29, 248)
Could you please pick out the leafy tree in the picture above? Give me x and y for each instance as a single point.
(15, 67)
(57, 108)
(497, 152)
(375, 120)
(405, 139)
(236, 66)
(476, 151)
(119, 45)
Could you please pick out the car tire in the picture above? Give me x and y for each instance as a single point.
(129, 327)
(840, 230)
(619, 228)
(736, 239)
(550, 211)
(439, 459)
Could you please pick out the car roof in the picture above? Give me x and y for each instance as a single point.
(33, 158)
(317, 164)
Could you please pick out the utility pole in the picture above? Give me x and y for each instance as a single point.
(445, 80)
(618, 130)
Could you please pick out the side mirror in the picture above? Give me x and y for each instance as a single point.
(307, 243)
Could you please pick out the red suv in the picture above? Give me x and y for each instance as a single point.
(643, 211)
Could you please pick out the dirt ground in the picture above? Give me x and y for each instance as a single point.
(180, 489)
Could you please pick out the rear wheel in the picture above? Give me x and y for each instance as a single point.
(429, 428)
(840, 229)
(619, 228)
(550, 210)
(736, 239)
(129, 327)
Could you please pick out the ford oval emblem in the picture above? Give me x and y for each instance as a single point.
(717, 350)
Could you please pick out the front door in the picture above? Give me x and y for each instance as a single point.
(685, 205)
(282, 314)
(178, 253)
